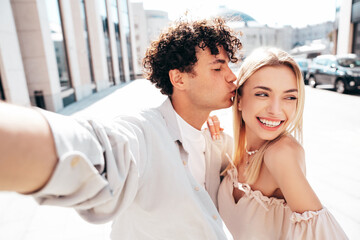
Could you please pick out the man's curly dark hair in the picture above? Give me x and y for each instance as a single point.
(176, 49)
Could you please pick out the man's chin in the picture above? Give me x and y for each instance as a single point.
(225, 105)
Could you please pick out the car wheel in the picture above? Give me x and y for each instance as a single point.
(340, 86)
(312, 81)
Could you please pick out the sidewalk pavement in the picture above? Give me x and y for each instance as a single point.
(331, 156)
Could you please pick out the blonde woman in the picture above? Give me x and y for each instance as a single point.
(265, 194)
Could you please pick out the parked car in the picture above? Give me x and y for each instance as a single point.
(304, 65)
(341, 72)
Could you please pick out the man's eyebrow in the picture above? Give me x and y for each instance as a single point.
(269, 89)
(216, 61)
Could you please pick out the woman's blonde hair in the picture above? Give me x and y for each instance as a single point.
(256, 60)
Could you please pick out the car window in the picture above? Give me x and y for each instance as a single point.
(322, 61)
(316, 61)
(303, 64)
(331, 62)
(349, 62)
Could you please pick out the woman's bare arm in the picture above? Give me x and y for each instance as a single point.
(27, 149)
(286, 163)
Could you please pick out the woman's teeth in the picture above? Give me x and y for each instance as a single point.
(269, 123)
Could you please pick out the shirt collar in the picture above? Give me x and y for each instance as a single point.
(168, 112)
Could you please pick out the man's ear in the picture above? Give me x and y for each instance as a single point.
(177, 79)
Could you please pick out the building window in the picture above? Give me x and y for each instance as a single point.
(115, 15)
(125, 21)
(2, 95)
(104, 19)
(356, 40)
(86, 36)
(57, 36)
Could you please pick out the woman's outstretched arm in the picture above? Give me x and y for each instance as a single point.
(27, 149)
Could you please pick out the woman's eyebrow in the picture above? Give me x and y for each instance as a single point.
(269, 89)
(291, 90)
(263, 88)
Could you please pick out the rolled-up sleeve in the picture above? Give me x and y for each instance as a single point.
(99, 166)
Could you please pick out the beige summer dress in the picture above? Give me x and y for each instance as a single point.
(256, 216)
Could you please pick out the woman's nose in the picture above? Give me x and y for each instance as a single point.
(274, 107)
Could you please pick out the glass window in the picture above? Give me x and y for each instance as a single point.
(57, 37)
(126, 26)
(356, 40)
(349, 62)
(2, 95)
(104, 19)
(86, 36)
(115, 15)
(321, 61)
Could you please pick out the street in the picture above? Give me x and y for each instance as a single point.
(331, 142)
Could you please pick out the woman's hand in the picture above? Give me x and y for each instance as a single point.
(214, 127)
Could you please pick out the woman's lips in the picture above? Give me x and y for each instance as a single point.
(270, 124)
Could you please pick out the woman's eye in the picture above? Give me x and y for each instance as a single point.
(261, 94)
(291, 98)
(217, 69)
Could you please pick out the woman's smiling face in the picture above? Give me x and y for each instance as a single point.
(268, 102)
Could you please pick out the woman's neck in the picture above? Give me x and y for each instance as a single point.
(253, 143)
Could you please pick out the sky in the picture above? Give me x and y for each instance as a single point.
(297, 13)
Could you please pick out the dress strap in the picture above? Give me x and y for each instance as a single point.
(256, 195)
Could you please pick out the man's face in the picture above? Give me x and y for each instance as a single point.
(211, 84)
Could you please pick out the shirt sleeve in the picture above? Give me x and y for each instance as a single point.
(315, 225)
(99, 166)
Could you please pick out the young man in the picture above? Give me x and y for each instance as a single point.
(156, 175)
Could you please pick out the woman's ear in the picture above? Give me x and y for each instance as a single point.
(176, 79)
(239, 105)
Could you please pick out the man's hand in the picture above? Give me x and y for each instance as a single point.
(27, 149)
(214, 127)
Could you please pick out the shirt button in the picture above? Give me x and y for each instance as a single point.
(184, 162)
(197, 188)
(215, 217)
(75, 161)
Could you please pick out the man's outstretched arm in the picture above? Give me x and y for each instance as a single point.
(27, 149)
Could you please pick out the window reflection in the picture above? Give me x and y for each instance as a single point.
(86, 36)
(115, 15)
(57, 37)
(2, 95)
(105, 24)
(356, 45)
(126, 26)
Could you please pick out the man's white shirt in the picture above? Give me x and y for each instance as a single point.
(194, 145)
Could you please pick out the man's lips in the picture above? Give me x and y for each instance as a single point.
(233, 95)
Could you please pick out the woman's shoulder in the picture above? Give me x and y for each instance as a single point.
(285, 153)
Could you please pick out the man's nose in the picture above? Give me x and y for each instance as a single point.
(231, 77)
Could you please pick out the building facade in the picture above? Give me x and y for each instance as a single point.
(148, 24)
(55, 52)
(255, 34)
(348, 27)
